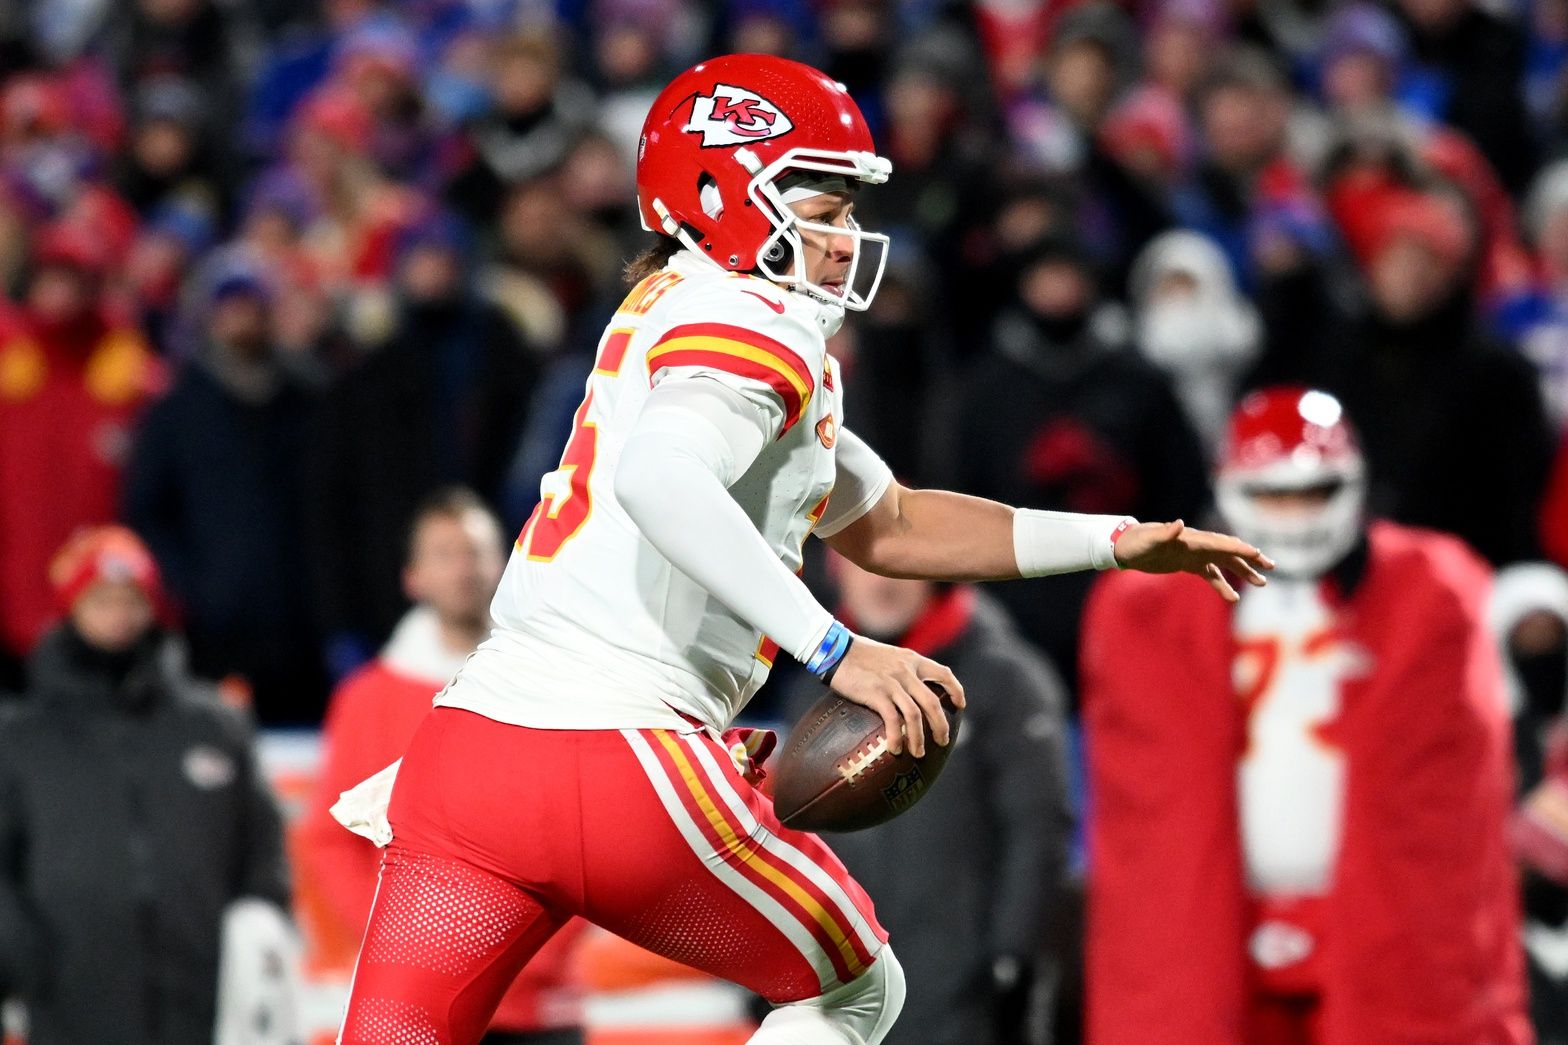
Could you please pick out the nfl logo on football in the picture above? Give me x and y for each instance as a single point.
(905, 789)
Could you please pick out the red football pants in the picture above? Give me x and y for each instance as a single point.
(502, 833)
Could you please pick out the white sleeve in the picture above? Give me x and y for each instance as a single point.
(692, 440)
(860, 480)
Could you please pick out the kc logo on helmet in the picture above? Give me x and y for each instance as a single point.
(735, 116)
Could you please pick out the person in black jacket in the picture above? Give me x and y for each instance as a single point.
(1452, 423)
(216, 486)
(1064, 415)
(974, 920)
(132, 814)
(443, 402)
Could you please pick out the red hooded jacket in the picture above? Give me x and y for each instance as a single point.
(1420, 932)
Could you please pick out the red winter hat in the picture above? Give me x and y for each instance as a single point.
(1148, 118)
(1431, 221)
(34, 103)
(70, 245)
(336, 114)
(103, 553)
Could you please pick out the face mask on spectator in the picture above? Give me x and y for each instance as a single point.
(1544, 678)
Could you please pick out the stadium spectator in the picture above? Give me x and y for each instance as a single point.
(455, 556)
(225, 512)
(551, 266)
(1455, 433)
(933, 139)
(1062, 414)
(973, 927)
(377, 65)
(443, 401)
(1529, 617)
(1245, 181)
(199, 41)
(1467, 71)
(73, 379)
(1194, 325)
(1318, 779)
(170, 157)
(132, 817)
(1180, 44)
(1091, 60)
(538, 114)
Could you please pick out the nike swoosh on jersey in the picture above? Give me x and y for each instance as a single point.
(777, 306)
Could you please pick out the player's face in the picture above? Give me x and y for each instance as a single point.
(112, 616)
(828, 255)
(455, 567)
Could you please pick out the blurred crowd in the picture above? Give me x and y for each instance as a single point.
(273, 272)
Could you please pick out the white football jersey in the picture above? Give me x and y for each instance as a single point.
(594, 627)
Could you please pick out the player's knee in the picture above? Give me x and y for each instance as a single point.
(861, 1011)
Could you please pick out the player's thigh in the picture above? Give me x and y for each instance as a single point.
(680, 858)
(445, 941)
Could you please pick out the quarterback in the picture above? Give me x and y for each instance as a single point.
(578, 764)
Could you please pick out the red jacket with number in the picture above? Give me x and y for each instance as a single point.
(68, 400)
(370, 721)
(1420, 933)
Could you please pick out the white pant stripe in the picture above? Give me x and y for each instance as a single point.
(767, 906)
(848, 914)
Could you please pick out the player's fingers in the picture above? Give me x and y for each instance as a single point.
(930, 707)
(943, 676)
(892, 721)
(1244, 569)
(1217, 581)
(914, 722)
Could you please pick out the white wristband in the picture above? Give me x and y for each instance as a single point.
(1045, 543)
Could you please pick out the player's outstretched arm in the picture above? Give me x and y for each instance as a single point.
(941, 535)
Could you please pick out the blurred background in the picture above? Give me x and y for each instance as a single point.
(299, 297)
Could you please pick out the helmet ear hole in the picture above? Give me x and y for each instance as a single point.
(775, 253)
(709, 196)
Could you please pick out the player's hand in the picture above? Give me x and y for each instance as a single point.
(1173, 548)
(892, 682)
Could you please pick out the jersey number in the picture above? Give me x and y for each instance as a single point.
(559, 515)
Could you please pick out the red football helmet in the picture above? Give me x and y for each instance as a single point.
(1292, 440)
(714, 147)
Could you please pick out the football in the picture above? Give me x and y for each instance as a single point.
(837, 774)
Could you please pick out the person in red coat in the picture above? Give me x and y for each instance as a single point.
(1299, 805)
(454, 564)
(72, 381)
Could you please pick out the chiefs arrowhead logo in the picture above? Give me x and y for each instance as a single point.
(735, 116)
(827, 432)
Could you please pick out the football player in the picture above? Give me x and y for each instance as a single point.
(576, 764)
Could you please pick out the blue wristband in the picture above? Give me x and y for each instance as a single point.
(830, 651)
